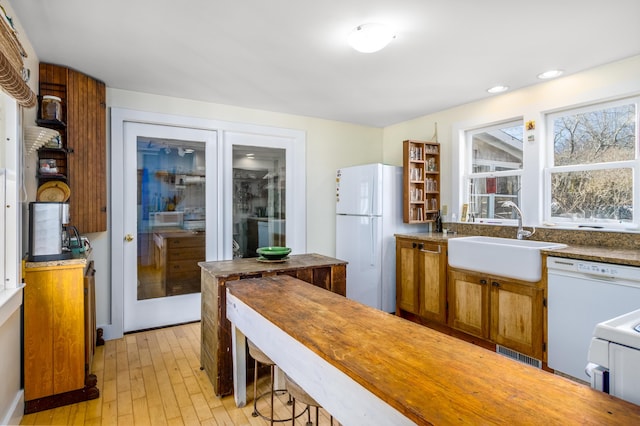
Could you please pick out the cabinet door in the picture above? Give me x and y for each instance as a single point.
(38, 335)
(87, 163)
(68, 332)
(406, 277)
(54, 331)
(432, 281)
(469, 302)
(516, 316)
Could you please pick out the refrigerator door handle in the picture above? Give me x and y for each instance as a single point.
(372, 201)
(372, 253)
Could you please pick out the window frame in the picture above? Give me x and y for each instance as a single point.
(467, 174)
(549, 168)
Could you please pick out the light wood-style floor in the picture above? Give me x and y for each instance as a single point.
(154, 378)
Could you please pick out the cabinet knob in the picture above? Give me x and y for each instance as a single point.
(128, 238)
(495, 284)
(483, 282)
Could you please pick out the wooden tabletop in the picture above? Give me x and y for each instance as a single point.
(428, 376)
(248, 266)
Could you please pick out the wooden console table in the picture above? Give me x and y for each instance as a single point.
(215, 354)
(368, 367)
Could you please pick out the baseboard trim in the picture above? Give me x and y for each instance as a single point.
(16, 410)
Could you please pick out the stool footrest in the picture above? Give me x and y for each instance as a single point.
(257, 413)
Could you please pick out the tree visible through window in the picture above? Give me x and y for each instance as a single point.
(594, 160)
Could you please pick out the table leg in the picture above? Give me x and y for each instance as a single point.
(238, 344)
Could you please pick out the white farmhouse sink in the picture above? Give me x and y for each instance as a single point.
(511, 258)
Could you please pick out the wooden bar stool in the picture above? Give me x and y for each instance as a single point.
(299, 394)
(260, 357)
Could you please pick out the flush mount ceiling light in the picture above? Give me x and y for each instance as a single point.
(369, 38)
(550, 74)
(498, 89)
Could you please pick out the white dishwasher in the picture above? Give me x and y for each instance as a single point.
(580, 295)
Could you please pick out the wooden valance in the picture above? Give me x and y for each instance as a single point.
(11, 66)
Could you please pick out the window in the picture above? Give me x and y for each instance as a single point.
(494, 159)
(591, 168)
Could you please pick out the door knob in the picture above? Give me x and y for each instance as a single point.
(128, 238)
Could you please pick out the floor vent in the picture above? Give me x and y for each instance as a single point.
(525, 359)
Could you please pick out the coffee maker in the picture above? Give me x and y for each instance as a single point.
(49, 231)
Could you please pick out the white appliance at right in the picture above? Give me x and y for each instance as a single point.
(582, 294)
(614, 357)
(368, 214)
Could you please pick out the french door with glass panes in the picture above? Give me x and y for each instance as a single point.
(170, 215)
(264, 193)
(157, 183)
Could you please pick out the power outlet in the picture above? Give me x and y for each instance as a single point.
(444, 210)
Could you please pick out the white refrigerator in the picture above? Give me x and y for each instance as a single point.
(368, 214)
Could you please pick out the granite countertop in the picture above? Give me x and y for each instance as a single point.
(436, 237)
(598, 254)
(620, 256)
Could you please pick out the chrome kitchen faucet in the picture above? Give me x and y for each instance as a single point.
(522, 233)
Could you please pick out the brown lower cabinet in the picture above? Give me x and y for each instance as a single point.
(215, 352)
(421, 278)
(481, 308)
(59, 333)
(505, 311)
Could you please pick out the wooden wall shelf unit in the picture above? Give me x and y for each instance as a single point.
(215, 353)
(421, 181)
(81, 159)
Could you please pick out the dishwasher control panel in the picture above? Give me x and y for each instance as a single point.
(598, 269)
(607, 271)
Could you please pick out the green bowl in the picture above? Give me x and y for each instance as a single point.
(274, 253)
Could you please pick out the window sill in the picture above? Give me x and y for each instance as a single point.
(602, 227)
(10, 301)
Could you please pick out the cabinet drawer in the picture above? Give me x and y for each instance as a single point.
(196, 254)
(196, 241)
(182, 267)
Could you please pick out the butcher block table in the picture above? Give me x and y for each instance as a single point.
(215, 353)
(368, 367)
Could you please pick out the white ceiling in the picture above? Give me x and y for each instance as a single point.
(291, 55)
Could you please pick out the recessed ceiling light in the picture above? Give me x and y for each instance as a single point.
(369, 38)
(550, 74)
(498, 89)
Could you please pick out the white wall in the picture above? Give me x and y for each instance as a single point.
(11, 395)
(606, 82)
